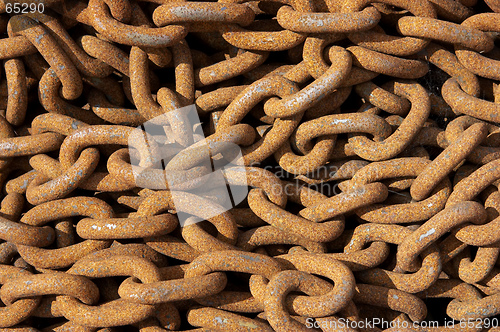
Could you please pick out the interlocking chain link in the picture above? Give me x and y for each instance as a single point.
(365, 131)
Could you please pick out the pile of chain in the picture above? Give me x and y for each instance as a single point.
(395, 104)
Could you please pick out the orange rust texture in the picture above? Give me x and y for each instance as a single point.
(370, 139)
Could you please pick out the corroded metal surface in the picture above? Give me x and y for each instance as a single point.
(369, 138)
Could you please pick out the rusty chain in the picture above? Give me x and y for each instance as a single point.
(367, 135)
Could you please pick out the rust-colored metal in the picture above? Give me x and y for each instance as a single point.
(369, 133)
